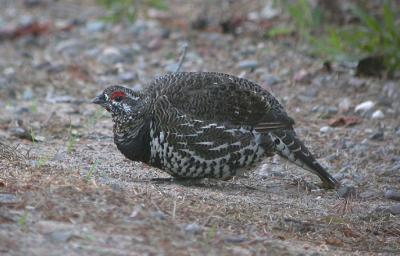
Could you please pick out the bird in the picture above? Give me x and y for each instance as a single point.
(196, 125)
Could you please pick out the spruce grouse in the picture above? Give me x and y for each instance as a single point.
(203, 124)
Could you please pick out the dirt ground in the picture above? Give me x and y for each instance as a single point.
(66, 190)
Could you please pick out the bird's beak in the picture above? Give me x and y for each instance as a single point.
(100, 99)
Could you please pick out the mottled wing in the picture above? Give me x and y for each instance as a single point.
(224, 99)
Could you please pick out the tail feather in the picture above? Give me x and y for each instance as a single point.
(288, 146)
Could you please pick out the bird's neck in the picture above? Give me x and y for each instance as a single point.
(133, 139)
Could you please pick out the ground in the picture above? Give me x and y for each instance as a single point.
(65, 188)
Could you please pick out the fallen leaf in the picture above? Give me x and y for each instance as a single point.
(334, 241)
(32, 29)
(348, 232)
(344, 121)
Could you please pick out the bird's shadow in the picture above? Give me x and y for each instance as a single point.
(215, 185)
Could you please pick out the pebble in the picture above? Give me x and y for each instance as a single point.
(325, 111)
(69, 47)
(61, 236)
(378, 114)
(27, 94)
(325, 129)
(248, 64)
(269, 11)
(339, 176)
(270, 79)
(110, 55)
(95, 26)
(127, 76)
(192, 228)
(393, 171)
(392, 194)
(344, 105)
(155, 44)
(138, 28)
(369, 194)
(234, 239)
(8, 199)
(365, 106)
(33, 3)
(377, 136)
(356, 82)
(158, 215)
(302, 76)
(9, 71)
(395, 209)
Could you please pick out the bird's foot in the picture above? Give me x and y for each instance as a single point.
(308, 186)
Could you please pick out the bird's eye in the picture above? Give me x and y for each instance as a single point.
(117, 96)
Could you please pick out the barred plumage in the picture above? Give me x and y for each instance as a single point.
(197, 125)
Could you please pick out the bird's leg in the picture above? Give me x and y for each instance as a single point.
(301, 182)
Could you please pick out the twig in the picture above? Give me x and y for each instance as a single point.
(182, 58)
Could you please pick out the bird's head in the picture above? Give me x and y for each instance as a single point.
(121, 102)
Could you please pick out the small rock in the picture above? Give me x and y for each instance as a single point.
(365, 106)
(8, 199)
(61, 236)
(154, 44)
(127, 76)
(192, 228)
(69, 47)
(370, 194)
(60, 99)
(325, 129)
(302, 76)
(59, 156)
(23, 110)
(27, 94)
(356, 82)
(377, 136)
(248, 64)
(95, 26)
(158, 215)
(378, 114)
(339, 176)
(138, 28)
(110, 55)
(33, 3)
(345, 191)
(9, 71)
(392, 194)
(395, 209)
(234, 239)
(269, 11)
(344, 105)
(270, 79)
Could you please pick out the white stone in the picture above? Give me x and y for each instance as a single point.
(378, 114)
(344, 105)
(325, 129)
(365, 106)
